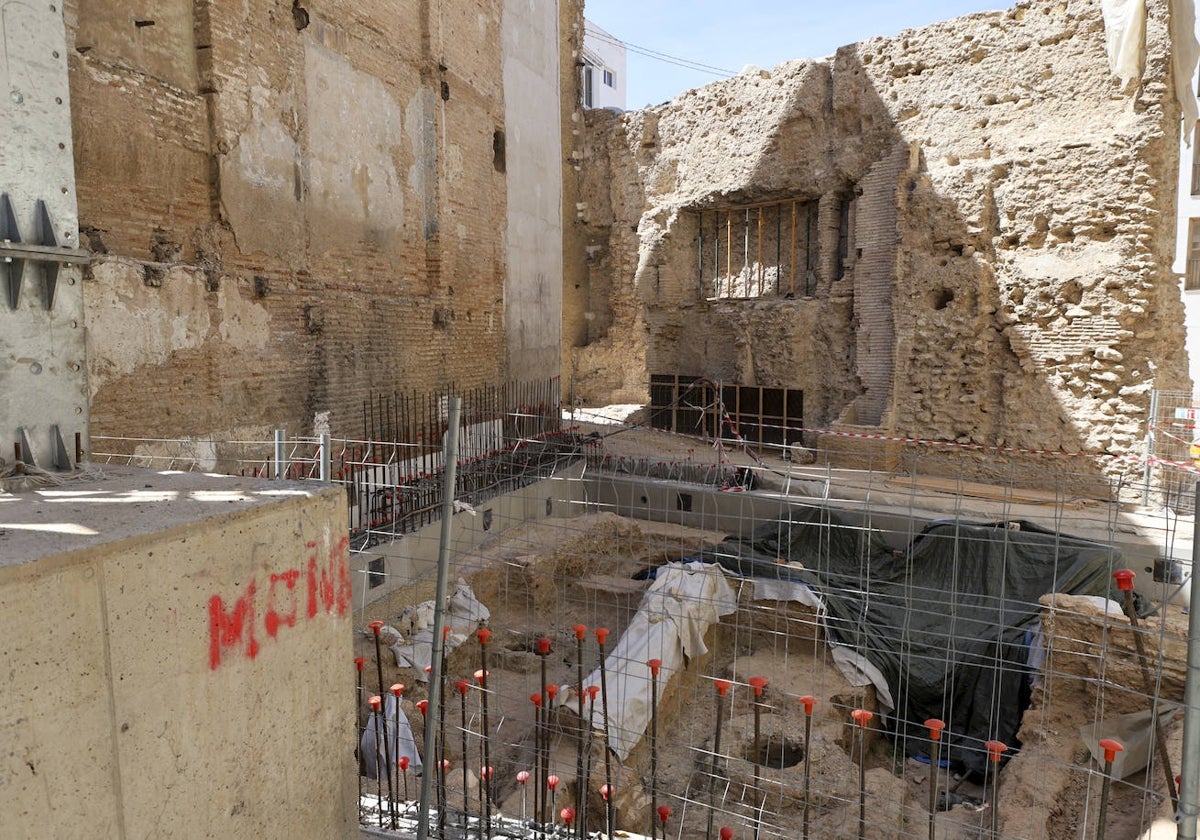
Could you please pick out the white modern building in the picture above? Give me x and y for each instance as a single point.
(603, 68)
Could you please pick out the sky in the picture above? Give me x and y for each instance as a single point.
(730, 35)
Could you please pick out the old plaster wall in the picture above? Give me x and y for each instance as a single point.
(172, 649)
(295, 205)
(994, 234)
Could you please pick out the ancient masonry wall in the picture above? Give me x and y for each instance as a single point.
(994, 234)
(294, 205)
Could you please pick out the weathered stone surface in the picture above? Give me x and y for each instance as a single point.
(994, 211)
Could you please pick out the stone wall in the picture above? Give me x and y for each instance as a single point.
(296, 204)
(994, 234)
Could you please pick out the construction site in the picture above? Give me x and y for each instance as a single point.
(401, 449)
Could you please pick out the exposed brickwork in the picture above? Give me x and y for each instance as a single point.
(320, 205)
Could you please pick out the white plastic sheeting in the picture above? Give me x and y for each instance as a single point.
(1125, 40)
(414, 650)
(400, 741)
(676, 611)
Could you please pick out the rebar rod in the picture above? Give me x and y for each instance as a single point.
(601, 636)
(1189, 797)
(722, 687)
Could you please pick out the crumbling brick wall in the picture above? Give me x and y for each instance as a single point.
(293, 205)
(995, 233)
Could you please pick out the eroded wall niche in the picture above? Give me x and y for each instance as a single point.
(991, 242)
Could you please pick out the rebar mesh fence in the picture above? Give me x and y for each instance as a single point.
(712, 562)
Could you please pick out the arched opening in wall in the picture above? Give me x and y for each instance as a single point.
(766, 249)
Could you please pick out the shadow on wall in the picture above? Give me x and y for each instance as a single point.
(969, 287)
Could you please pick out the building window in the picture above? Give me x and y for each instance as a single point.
(1191, 281)
(608, 78)
(588, 96)
(758, 250)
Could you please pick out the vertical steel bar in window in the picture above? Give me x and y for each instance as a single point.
(729, 250)
(760, 264)
(792, 261)
(716, 252)
(746, 252)
(778, 246)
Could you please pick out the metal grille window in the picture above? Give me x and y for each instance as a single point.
(758, 250)
(1191, 282)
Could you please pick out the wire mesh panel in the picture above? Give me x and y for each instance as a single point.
(1171, 468)
(777, 641)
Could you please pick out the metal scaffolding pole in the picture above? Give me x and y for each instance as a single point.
(1189, 789)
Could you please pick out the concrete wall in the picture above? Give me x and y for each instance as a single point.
(293, 206)
(1030, 302)
(532, 151)
(42, 365)
(178, 660)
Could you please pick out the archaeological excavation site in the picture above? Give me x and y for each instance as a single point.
(404, 447)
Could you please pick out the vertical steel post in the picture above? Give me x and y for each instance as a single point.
(1189, 790)
(326, 458)
(1151, 421)
(280, 454)
(439, 604)
(1111, 748)
(809, 702)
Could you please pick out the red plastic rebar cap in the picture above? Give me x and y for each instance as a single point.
(809, 703)
(935, 727)
(568, 815)
(995, 748)
(423, 705)
(483, 634)
(604, 791)
(445, 764)
(428, 669)
(536, 699)
(861, 716)
(758, 684)
(481, 676)
(523, 777)
(376, 701)
(1111, 748)
(552, 782)
(664, 812)
(397, 689)
(580, 631)
(403, 762)
(722, 686)
(601, 634)
(1124, 579)
(462, 686)
(376, 626)
(445, 633)
(654, 664)
(543, 646)
(592, 691)
(551, 691)
(485, 773)
(726, 833)
(359, 662)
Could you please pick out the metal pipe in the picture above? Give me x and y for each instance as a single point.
(809, 703)
(439, 604)
(861, 718)
(995, 750)
(654, 665)
(758, 684)
(722, 689)
(935, 727)
(326, 462)
(1124, 578)
(1111, 748)
(601, 637)
(1189, 794)
(376, 627)
(281, 456)
(580, 800)
(376, 704)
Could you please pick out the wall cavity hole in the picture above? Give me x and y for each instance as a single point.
(943, 298)
(777, 751)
